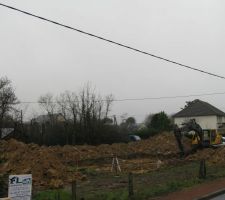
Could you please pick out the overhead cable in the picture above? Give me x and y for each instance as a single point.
(141, 99)
(114, 42)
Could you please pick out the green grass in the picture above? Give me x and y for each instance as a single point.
(102, 186)
(166, 188)
(122, 194)
(145, 192)
(52, 195)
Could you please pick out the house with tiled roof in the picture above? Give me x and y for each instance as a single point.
(205, 114)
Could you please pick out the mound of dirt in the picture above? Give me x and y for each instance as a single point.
(43, 162)
(163, 144)
(53, 167)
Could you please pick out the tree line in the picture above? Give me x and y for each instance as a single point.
(74, 118)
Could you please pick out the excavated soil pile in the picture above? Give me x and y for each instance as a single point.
(213, 156)
(44, 163)
(163, 144)
(56, 166)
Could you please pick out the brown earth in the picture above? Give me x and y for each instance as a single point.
(57, 166)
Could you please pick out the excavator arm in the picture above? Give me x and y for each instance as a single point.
(186, 128)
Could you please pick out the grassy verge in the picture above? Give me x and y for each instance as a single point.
(53, 195)
(143, 193)
(152, 184)
(120, 194)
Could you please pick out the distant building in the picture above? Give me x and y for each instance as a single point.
(205, 114)
(141, 126)
(6, 132)
(41, 119)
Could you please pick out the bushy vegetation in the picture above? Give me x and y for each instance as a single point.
(64, 133)
(74, 118)
(146, 132)
(69, 118)
(160, 122)
(154, 124)
(93, 131)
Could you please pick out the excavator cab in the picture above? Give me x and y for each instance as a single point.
(215, 138)
(199, 138)
(209, 138)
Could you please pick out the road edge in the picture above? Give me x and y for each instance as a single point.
(211, 195)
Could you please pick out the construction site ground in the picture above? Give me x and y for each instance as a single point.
(150, 185)
(155, 163)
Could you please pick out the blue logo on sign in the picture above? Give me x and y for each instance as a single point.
(16, 180)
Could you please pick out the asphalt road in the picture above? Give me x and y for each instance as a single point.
(221, 197)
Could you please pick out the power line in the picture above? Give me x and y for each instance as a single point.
(113, 42)
(142, 99)
(170, 97)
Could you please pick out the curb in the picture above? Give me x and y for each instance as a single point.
(211, 195)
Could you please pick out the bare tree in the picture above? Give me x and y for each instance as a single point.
(85, 113)
(19, 112)
(72, 105)
(63, 105)
(8, 99)
(99, 107)
(86, 103)
(108, 101)
(48, 104)
(92, 110)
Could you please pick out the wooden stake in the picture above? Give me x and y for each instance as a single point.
(74, 190)
(130, 185)
(202, 169)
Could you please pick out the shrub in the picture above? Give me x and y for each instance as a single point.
(3, 186)
(146, 132)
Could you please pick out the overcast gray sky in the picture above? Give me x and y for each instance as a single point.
(40, 57)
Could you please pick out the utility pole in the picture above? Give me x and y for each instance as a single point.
(21, 117)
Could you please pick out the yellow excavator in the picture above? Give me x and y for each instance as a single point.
(199, 138)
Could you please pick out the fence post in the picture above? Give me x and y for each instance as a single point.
(55, 195)
(130, 185)
(58, 194)
(202, 169)
(74, 190)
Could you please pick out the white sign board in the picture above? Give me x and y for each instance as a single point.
(20, 187)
